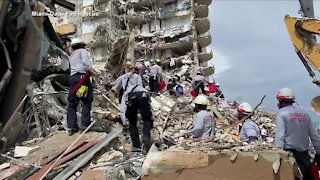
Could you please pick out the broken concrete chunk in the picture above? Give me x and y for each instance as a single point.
(4, 165)
(233, 157)
(93, 174)
(23, 151)
(276, 166)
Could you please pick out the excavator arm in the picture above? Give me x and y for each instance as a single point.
(303, 33)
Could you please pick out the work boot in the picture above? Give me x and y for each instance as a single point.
(146, 145)
(136, 150)
(71, 132)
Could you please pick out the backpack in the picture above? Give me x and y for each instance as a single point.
(132, 96)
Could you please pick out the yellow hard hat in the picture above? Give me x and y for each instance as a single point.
(201, 100)
(158, 60)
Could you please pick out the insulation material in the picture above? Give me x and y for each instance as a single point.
(87, 3)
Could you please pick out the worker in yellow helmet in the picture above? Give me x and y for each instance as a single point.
(204, 124)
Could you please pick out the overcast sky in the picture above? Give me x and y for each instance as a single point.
(253, 54)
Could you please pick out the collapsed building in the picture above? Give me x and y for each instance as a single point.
(136, 30)
(118, 31)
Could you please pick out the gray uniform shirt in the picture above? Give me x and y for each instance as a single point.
(294, 128)
(203, 126)
(249, 128)
(135, 79)
(123, 105)
(80, 62)
(198, 78)
(155, 69)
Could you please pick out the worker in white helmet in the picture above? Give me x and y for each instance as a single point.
(204, 124)
(250, 130)
(80, 70)
(294, 129)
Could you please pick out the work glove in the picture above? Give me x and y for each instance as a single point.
(317, 160)
(82, 91)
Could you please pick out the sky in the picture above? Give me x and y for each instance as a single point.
(253, 54)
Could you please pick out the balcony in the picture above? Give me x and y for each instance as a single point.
(203, 2)
(204, 57)
(202, 25)
(201, 11)
(207, 71)
(204, 40)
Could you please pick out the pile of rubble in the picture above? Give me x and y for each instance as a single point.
(173, 117)
(108, 154)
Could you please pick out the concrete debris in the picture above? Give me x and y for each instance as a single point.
(4, 166)
(22, 151)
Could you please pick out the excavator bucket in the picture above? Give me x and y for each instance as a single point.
(315, 104)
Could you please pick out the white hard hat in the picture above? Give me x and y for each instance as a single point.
(245, 108)
(128, 63)
(201, 100)
(147, 63)
(285, 94)
(77, 41)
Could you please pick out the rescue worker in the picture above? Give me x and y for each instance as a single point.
(198, 83)
(80, 64)
(294, 128)
(172, 83)
(145, 75)
(137, 98)
(218, 92)
(204, 124)
(155, 75)
(250, 130)
(130, 78)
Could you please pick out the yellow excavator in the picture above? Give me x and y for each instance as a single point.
(303, 32)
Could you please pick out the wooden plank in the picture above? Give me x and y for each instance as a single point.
(39, 173)
(72, 168)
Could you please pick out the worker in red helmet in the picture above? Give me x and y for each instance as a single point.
(250, 130)
(137, 99)
(131, 78)
(294, 132)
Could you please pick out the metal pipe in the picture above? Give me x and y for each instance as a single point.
(65, 4)
(9, 123)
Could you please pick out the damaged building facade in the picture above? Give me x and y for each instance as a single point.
(176, 31)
